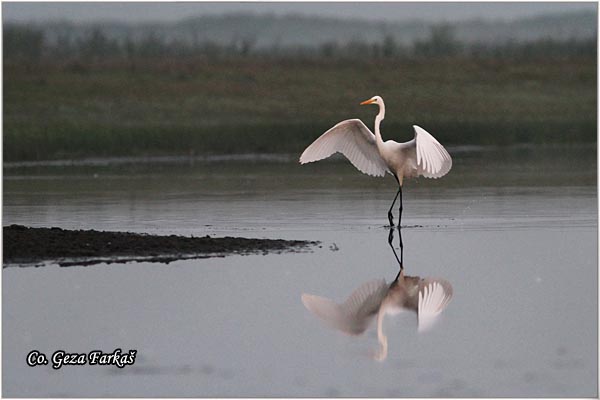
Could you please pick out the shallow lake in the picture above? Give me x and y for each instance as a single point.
(514, 230)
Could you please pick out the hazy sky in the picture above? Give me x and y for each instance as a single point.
(396, 11)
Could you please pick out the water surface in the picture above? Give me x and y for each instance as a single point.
(513, 230)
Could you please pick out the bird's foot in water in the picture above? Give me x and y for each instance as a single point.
(388, 226)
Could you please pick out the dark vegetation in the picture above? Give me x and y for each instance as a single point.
(94, 43)
(90, 93)
(26, 246)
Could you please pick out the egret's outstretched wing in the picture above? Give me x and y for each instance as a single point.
(364, 302)
(355, 314)
(433, 161)
(434, 296)
(354, 140)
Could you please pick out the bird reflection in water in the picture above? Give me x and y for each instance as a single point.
(428, 297)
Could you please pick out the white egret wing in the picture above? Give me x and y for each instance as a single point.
(434, 296)
(355, 314)
(354, 140)
(433, 161)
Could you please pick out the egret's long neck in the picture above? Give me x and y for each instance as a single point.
(383, 343)
(378, 120)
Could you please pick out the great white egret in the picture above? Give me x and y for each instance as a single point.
(421, 156)
(427, 297)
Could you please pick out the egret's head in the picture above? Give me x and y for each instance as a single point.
(373, 100)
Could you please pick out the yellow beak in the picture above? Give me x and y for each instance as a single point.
(370, 101)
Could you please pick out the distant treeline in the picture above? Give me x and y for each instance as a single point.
(23, 43)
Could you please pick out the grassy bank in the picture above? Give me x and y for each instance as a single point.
(240, 106)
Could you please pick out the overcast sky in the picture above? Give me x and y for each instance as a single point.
(142, 11)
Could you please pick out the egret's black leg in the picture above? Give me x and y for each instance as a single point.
(390, 215)
(399, 272)
(390, 242)
(401, 246)
(400, 209)
(391, 234)
(400, 229)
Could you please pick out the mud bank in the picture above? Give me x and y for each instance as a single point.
(25, 246)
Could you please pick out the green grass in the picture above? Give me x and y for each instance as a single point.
(246, 106)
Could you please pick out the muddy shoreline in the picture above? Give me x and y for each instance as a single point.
(26, 246)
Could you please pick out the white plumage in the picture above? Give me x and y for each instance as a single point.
(355, 314)
(433, 161)
(427, 297)
(434, 296)
(353, 139)
(422, 156)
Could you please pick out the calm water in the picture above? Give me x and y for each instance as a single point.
(513, 230)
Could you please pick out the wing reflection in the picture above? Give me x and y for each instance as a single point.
(427, 297)
(355, 314)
